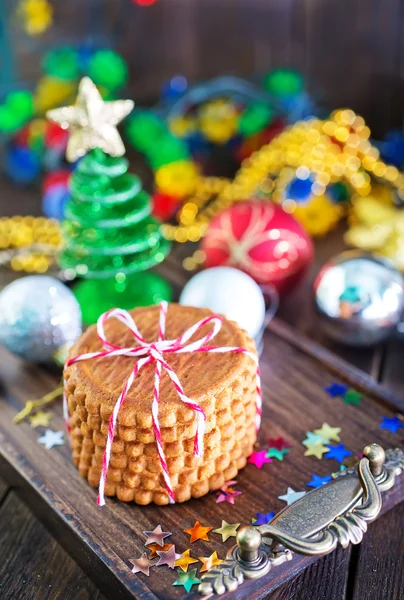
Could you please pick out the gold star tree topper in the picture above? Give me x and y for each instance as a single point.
(92, 123)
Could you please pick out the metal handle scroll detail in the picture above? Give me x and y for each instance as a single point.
(336, 513)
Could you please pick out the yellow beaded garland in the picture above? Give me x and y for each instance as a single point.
(29, 244)
(333, 150)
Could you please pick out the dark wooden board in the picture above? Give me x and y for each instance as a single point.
(33, 565)
(102, 540)
(379, 574)
(349, 50)
(324, 580)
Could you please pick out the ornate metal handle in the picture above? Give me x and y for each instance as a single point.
(337, 512)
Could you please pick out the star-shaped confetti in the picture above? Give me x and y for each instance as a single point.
(352, 397)
(392, 424)
(291, 496)
(40, 419)
(338, 452)
(228, 484)
(263, 518)
(198, 532)
(167, 557)
(259, 459)
(336, 390)
(313, 438)
(279, 443)
(157, 536)
(227, 530)
(317, 450)
(187, 580)
(154, 547)
(142, 564)
(92, 123)
(329, 433)
(275, 453)
(228, 496)
(185, 560)
(209, 561)
(317, 481)
(51, 438)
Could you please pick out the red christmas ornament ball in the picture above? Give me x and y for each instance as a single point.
(261, 239)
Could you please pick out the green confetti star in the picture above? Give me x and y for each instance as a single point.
(275, 453)
(352, 397)
(187, 580)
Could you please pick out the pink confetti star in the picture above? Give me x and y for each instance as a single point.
(228, 496)
(259, 459)
(227, 485)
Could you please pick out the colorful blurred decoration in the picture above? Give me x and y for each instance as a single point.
(144, 2)
(287, 90)
(303, 169)
(392, 149)
(35, 15)
(376, 224)
(34, 145)
(208, 127)
(16, 110)
(55, 193)
(39, 318)
(260, 239)
(29, 244)
(359, 298)
(109, 234)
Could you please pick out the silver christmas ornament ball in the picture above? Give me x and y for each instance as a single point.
(39, 317)
(359, 298)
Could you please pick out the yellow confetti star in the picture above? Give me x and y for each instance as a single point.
(92, 122)
(227, 530)
(185, 560)
(40, 419)
(317, 449)
(209, 561)
(329, 433)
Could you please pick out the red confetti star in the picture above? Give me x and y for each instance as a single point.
(279, 443)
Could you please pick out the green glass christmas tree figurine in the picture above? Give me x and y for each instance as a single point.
(110, 238)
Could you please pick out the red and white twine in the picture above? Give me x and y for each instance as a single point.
(154, 352)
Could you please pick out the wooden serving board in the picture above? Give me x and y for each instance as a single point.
(102, 540)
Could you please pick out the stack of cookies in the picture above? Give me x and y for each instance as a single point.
(223, 384)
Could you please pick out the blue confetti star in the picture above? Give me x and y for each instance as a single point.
(263, 518)
(317, 481)
(392, 424)
(336, 389)
(338, 452)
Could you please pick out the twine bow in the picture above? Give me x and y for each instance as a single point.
(154, 352)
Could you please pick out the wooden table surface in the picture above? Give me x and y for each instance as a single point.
(52, 538)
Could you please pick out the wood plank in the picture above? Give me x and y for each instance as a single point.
(104, 540)
(392, 368)
(326, 579)
(380, 574)
(4, 487)
(33, 565)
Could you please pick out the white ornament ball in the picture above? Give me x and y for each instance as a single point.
(229, 292)
(39, 316)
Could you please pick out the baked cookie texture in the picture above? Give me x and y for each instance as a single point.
(223, 384)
